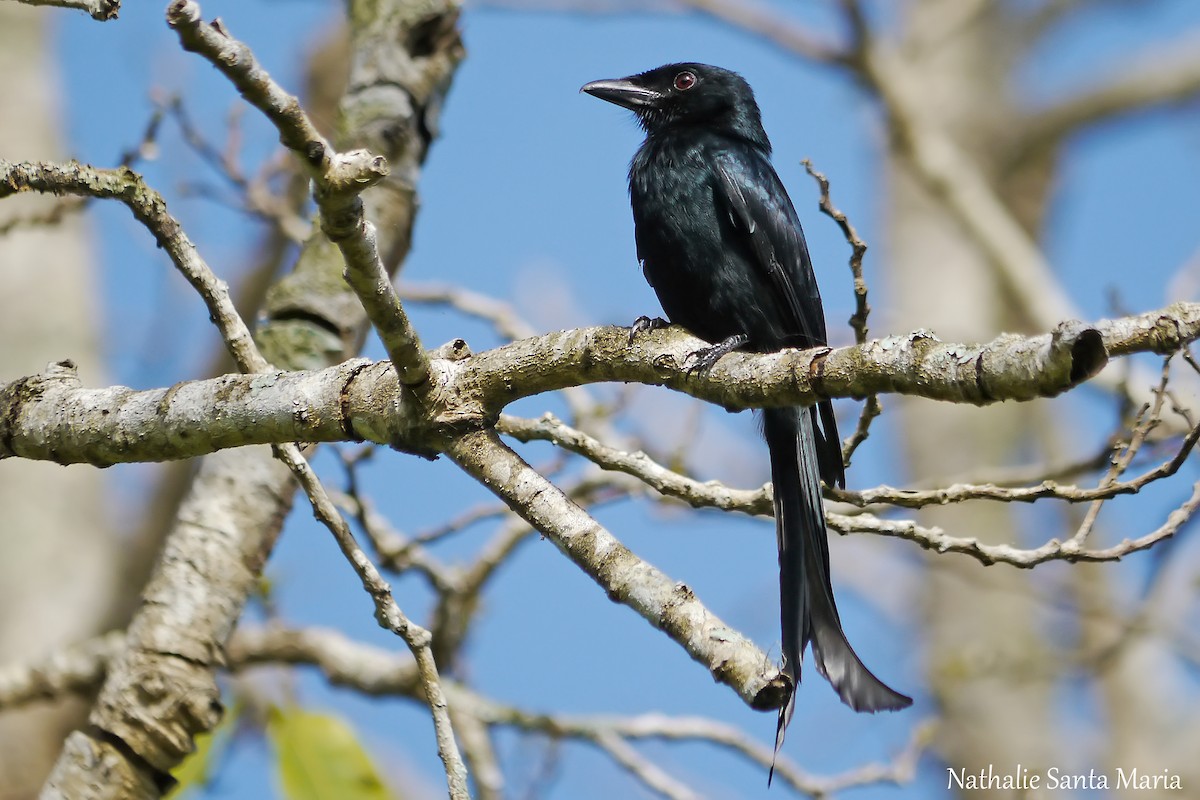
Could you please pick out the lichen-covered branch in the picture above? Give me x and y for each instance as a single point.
(699, 494)
(666, 604)
(389, 615)
(150, 209)
(377, 672)
(50, 417)
(99, 10)
(165, 691)
(713, 494)
(339, 179)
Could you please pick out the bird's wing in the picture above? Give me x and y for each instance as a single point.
(762, 213)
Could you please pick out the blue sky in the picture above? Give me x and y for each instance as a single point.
(524, 198)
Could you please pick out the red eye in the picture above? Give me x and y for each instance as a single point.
(685, 81)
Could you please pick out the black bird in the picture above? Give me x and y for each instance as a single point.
(720, 242)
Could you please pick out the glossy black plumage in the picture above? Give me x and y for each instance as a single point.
(721, 244)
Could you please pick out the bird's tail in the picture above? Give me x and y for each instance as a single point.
(798, 451)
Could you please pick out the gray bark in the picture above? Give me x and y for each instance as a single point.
(60, 564)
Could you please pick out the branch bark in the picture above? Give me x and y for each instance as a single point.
(51, 417)
(162, 692)
(666, 604)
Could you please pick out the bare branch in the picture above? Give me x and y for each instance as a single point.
(339, 178)
(389, 615)
(713, 494)
(1147, 419)
(374, 671)
(670, 606)
(331, 650)
(502, 316)
(61, 421)
(957, 182)
(508, 324)
(871, 409)
(752, 17)
(858, 250)
(1008, 368)
(476, 742)
(679, 729)
(99, 10)
(858, 321)
(710, 494)
(962, 492)
(396, 551)
(988, 554)
(71, 670)
(646, 771)
(255, 195)
(1169, 74)
(344, 662)
(150, 209)
(953, 178)
(227, 525)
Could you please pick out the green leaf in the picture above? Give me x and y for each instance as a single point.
(319, 757)
(196, 770)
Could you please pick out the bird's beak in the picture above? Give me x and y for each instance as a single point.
(623, 92)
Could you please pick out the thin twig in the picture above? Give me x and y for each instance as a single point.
(375, 671)
(1147, 419)
(150, 209)
(651, 775)
(338, 178)
(670, 606)
(858, 249)
(62, 207)
(858, 320)
(389, 615)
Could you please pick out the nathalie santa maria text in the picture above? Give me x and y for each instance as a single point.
(1057, 778)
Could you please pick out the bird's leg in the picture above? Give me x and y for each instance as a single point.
(644, 324)
(706, 357)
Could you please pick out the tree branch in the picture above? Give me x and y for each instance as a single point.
(141, 728)
(389, 616)
(713, 494)
(50, 417)
(339, 179)
(99, 10)
(1168, 74)
(150, 209)
(377, 672)
(666, 604)
(858, 320)
(758, 19)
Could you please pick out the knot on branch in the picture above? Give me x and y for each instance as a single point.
(182, 12)
(1088, 354)
(174, 700)
(773, 693)
(354, 171)
(1018, 368)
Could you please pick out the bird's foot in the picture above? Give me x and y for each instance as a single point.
(703, 360)
(644, 324)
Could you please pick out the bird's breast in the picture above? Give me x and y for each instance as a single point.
(700, 267)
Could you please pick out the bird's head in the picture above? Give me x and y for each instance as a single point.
(681, 95)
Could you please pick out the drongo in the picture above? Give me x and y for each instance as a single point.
(721, 244)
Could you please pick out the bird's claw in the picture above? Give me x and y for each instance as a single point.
(702, 360)
(706, 357)
(644, 324)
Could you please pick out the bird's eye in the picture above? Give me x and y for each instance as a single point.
(685, 81)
